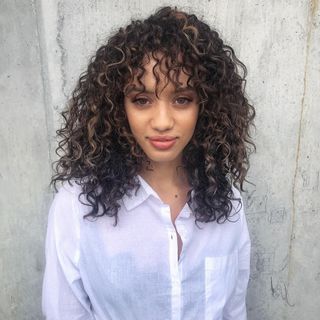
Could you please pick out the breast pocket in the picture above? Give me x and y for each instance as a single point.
(220, 279)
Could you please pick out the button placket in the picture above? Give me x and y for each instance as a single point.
(175, 274)
(166, 214)
(181, 230)
(173, 263)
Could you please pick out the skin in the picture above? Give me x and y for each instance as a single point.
(174, 112)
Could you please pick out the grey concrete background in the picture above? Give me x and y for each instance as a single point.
(44, 47)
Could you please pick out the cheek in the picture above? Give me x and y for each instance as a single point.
(190, 121)
(135, 123)
(131, 117)
(191, 130)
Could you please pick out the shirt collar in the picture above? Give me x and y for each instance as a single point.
(136, 197)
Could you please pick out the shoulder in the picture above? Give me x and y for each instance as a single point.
(68, 191)
(236, 192)
(69, 194)
(237, 204)
(65, 206)
(63, 228)
(237, 197)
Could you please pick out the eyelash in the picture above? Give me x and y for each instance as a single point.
(186, 99)
(137, 100)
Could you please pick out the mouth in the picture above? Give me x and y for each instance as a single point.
(162, 138)
(162, 143)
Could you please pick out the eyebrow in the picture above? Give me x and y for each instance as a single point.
(178, 90)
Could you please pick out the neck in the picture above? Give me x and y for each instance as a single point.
(165, 175)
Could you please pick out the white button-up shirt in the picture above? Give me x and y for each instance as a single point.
(97, 271)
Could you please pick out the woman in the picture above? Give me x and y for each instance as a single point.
(156, 138)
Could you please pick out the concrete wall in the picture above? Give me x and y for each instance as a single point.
(44, 47)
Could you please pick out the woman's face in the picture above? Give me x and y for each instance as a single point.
(162, 126)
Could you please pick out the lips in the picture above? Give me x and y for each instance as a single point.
(162, 138)
(162, 142)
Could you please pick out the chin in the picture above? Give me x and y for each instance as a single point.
(161, 158)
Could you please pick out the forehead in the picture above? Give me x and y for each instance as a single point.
(158, 72)
(165, 69)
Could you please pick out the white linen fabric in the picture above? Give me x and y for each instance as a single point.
(98, 271)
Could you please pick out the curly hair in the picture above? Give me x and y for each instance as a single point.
(97, 149)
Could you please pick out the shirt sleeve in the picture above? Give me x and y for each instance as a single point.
(235, 308)
(63, 295)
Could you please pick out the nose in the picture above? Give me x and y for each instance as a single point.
(162, 118)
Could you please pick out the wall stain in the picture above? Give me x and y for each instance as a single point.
(63, 51)
(280, 290)
(314, 7)
(310, 23)
(46, 95)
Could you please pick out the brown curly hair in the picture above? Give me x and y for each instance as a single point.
(97, 149)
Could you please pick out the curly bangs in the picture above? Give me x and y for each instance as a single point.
(97, 149)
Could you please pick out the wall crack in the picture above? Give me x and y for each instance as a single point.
(312, 11)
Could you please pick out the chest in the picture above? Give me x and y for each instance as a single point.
(135, 258)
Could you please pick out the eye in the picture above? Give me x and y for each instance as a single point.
(141, 101)
(183, 100)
